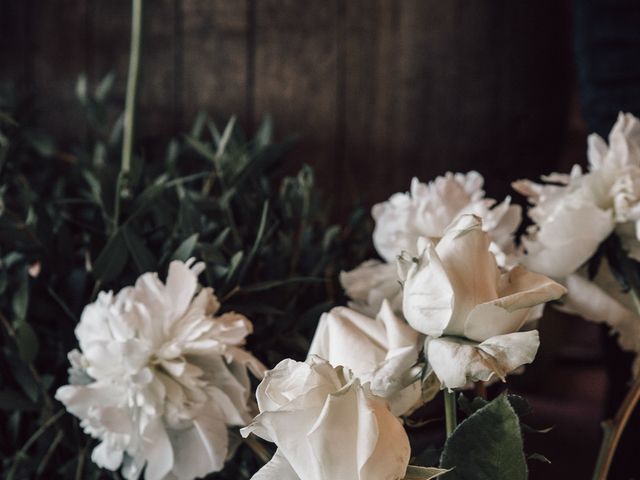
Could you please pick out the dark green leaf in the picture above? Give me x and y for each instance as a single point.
(12, 400)
(112, 259)
(27, 342)
(184, 251)
(487, 445)
(141, 255)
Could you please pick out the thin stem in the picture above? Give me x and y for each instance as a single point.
(450, 411)
(130, 107)
(613, 430)
(22, 453)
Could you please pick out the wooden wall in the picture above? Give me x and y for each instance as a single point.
(377, 90)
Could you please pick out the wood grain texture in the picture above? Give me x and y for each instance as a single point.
(214, 76)
(58, 57)
(296, 75)
(376, 91)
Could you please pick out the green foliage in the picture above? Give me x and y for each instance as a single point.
(269, 249)
(487, 445)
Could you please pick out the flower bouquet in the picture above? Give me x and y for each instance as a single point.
(198, 315)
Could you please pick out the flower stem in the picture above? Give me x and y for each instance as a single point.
(122, 184)
(613, 430)
(450, 411)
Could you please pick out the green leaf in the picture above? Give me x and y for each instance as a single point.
(141, 255)
(105, 86)
(234, 263)
(184, 251)
(415, 472)
(538, 457)
(268, 285)
(27, 342)
(264, 135)
(487, 445)
(20, 300)
(112, 259)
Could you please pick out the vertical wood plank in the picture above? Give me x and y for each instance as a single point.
(296, 75)
(215, 71)
(58, 58)
(434, 86)
(15, 42)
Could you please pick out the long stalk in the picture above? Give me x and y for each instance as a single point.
(450, 412)
(122, 184)
(613, 429)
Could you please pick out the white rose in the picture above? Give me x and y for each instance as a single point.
(426, 211)
(160, 378)
(469, 309)
(382, 351)
(327, 425)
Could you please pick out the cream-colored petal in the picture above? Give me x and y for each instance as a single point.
(470, 268)
(519, 291)
(567, 239)
(428, 294)
(346, 337)
(456, 361)
(278, 468)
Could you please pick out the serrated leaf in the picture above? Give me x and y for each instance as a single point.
(185, 249)
(112, 259)
(487, 445)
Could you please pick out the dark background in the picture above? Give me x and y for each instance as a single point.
(377, 91)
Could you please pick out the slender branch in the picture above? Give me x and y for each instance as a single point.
(122, 184)
(32, 439)
(450, 411)
(613, 430)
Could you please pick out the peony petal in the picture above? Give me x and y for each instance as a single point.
(519, 291)
(567, 239)
(180, 287)
(369, 284)
(278, 468)
(591, 302)
(157, 450)
(106, 456)
(202, 448)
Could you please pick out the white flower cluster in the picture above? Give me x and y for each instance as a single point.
(574, 214)
(425, 212)
(160, 378)
(335, 416)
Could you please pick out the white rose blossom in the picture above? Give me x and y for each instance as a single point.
(381, 351)
(470, 310)
(159, 378)
(575, 213)
(426, 211)
(327, 425)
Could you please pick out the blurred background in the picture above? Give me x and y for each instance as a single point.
(375, 92)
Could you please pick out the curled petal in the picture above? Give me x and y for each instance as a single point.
(456, 361)
(520, 291)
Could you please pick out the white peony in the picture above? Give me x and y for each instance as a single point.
(160, 378)
(426, 211)
(327, 425)
(381, 351)
(573, 214)
(471, 311)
